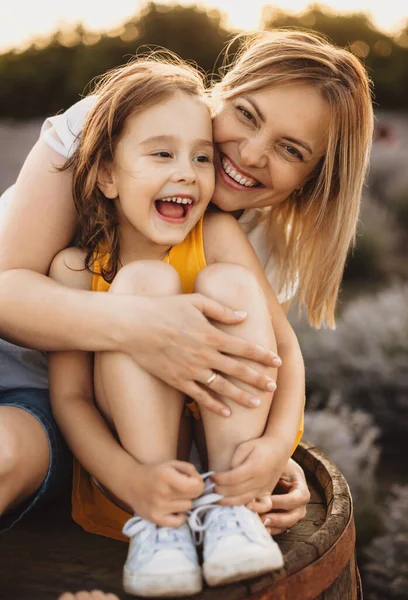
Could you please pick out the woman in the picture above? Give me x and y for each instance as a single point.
(305, 166)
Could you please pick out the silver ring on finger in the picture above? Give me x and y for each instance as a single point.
(211, 378)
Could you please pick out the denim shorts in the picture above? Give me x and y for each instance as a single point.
(58, 479)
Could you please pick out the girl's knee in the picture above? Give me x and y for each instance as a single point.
(230, 283)
(147, 277)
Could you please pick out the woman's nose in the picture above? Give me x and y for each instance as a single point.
(253, 154)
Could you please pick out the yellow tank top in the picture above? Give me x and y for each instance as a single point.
(187, 258)
(91, 508)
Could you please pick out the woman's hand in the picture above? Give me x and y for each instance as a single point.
(164, 492)
(176, 342)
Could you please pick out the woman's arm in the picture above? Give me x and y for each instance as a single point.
(169, 337)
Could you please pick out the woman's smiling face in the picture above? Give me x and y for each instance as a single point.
(269, 142)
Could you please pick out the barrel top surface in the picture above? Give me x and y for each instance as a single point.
(47, 553)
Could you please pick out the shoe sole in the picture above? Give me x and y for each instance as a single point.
(170, 586)
(222, 574)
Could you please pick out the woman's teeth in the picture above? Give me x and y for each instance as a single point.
(178, 200)
(241, 179)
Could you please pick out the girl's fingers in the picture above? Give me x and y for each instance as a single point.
(261, 505)
(172, 520)
(237, 500)
(243, 487)
(237, 476)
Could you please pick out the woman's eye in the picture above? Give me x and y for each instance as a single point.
(245, 113)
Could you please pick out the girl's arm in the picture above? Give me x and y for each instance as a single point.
(226, 242)
(152, 491)
(169, 337)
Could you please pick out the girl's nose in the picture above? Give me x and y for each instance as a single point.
(184, 173)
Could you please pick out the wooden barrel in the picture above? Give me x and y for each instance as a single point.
(48, 553)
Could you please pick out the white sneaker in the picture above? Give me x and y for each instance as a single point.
(161, 561)
(237, 545)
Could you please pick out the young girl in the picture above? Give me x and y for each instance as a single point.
(143, 178)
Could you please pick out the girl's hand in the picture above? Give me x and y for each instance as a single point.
(167, 492)
(255, 469)
(289, 500)
(281, 510)
(177, 343)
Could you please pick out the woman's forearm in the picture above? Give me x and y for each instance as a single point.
(37, 312)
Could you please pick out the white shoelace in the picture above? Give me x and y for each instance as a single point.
(208, 515)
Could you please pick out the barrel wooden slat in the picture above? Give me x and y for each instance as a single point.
(48, 553)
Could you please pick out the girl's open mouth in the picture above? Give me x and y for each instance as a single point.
(174, 209)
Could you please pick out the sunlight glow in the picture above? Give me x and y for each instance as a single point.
(21, 22)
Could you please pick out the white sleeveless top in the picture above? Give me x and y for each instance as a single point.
(20, 367)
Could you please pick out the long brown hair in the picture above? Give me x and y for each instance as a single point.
(121, 92)
(311, 233)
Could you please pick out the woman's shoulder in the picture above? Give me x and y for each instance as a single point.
(68, 268)
(62, 131)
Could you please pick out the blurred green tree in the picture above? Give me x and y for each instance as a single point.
(44, 80)
(385, 57)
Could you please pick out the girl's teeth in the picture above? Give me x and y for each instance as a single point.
(178, 200)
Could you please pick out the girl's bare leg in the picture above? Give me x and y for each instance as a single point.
(237, 287)
(143, 410)
(24, 456)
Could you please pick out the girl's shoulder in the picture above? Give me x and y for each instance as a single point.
(68, 268)
(222, 236)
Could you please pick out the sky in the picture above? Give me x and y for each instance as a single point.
(22, 21)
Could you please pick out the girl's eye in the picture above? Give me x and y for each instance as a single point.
(162, 154)
(293, 152)
(246, 114)
(203, 158)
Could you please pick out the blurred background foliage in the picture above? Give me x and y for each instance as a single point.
(52, 72)
(357, 376)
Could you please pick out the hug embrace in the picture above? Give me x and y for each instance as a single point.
(154, 241)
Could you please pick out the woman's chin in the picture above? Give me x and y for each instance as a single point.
(226, 202)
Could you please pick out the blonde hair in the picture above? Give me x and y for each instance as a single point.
(312, 232)
(121, 92)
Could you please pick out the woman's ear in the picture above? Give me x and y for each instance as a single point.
(106, 181)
